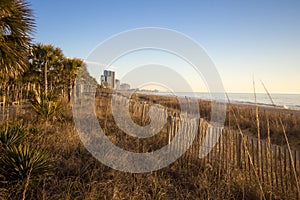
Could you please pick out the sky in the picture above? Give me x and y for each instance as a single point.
(246, 40)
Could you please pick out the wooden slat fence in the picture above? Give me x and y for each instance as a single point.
(271, 165)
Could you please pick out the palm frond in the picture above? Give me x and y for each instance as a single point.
(16, 27)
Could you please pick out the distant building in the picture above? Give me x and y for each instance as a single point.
(103, 81)
(117, 86)
(108, 79)
(124, 86)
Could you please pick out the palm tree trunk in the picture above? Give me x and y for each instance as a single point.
(74, 90)
(70, 91)
(46, 81)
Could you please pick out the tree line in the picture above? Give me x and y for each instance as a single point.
(29, 69)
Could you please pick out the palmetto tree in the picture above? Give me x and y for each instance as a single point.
(71, 67)
(46, 62)
(16, 26)
(46, 66)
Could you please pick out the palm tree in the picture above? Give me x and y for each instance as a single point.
(16, 27)
(30, 80)
(46, 66)
(70, 71)
(46, 61)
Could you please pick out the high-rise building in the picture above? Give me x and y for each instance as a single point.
(108, 79)
(103, 81)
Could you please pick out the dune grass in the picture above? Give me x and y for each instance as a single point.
(75, 174)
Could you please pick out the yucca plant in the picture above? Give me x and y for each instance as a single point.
(22, 164)
(19, 164)
(12, 134)
(47, 106)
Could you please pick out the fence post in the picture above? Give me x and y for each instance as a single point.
(253, 155)
(169, 128)
(239, 150)
(226, 151)
(291, 169)
(262, 163)
(244, 158)
(220, 156)
(281, 175)
(275, 166)
(286, 174)
(143, 113)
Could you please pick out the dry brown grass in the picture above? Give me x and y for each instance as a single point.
(76, 174)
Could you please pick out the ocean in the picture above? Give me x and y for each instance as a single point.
(288, 101)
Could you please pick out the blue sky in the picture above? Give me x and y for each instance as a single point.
(243, 38)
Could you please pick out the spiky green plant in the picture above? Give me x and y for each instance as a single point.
(12, 134)
(22, 162)
(47, 106)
